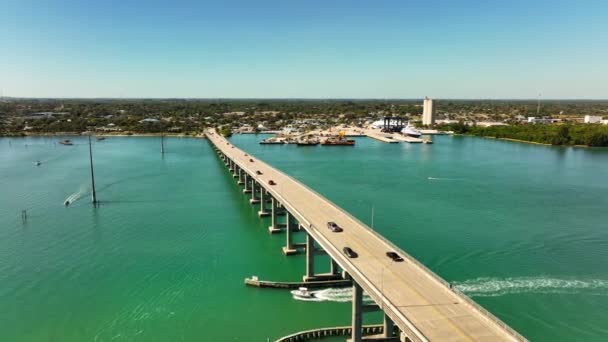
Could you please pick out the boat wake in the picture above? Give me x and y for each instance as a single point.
(75, 196)
(448, 179)
(331, 295)
(495, 287)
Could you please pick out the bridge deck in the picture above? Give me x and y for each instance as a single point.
(417, 300)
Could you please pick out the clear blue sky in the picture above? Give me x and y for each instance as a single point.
(304, 48)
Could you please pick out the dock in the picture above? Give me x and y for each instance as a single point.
(384, 137)
(407, 139)
(294, 285)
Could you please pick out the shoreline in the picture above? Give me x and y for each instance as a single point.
(122, 134)
(527, 142)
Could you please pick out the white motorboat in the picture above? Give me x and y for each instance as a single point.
(411, 131)
(303, 292)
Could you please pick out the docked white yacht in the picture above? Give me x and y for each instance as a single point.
(411, 131)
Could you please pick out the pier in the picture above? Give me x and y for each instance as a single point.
(415, 301)
(338, 282)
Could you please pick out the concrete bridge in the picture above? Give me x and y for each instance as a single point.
(419, 303)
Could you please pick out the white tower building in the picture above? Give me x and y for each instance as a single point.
(428, 112)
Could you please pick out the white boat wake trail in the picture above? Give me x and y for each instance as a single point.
(331, 295)
(448, 179)
(76, 196)
(495, 287)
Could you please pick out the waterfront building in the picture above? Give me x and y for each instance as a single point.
(535, 120)
(150, 120)
(428, 112)
(593, 119)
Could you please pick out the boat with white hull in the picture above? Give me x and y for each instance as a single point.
(411, 131)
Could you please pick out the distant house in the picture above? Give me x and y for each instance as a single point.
(148, 120)
(591, 119)
(520, 118)
(290, 129)
(535, 120)
(490, 123)
(44, 115)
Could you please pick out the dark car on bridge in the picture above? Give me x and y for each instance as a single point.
(258, 172)
(271, 182)
(251, 160)
(334, 227)
(394, 256)
(349, 252)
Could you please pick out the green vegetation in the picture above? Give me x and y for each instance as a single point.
(566, 134)
(225, 131)
(192, 116)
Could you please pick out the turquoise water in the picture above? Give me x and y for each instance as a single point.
(521, 228)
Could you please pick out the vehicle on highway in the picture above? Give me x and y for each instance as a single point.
(251, 160)
(271, 182)
(349, 252)
(394, 256)
(258, 172)
(334, 227)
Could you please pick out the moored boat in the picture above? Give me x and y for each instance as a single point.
(66, 142)
(271, 142)
(411, 131)
(308, 142)
(340, 140)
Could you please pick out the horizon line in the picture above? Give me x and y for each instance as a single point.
(302, 98)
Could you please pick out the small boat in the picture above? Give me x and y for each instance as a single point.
(66, 142)
(66, 203)
(308, 142)
(411, 131)
(101, 138)
(338, 142)
(303, 292)
(272, 141)
(38, 163)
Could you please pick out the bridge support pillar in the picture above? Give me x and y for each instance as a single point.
(263, 211)
(235, 170)
(254, 195)
(389, 327)
(289, 248)
(247, 188)
(333, 267)
(310, 258)
(241, 178)
(357, 313)
(274, 225)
